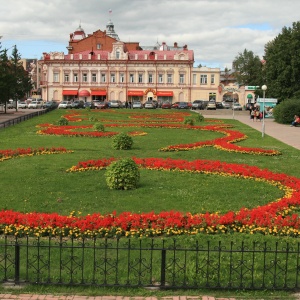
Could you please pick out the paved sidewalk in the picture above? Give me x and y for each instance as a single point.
(284, 133)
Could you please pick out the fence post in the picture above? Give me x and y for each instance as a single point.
(17, 263)
(163, 268)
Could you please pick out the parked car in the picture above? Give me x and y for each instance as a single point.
(225, 105)
(64, 104)
(219, 105)
(149, 104)
(183, 105)
(115, 104)
(175, 105)
(237, 106)
(101, 104)
(137, 104)
(211, 105)
(249, 106)
(22, 104)
(77, 104)
(198, 104)
(35, 104)
(50, 105)
(166, 105)
(89, 104)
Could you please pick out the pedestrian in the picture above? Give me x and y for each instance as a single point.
(126, 104)
(252, 114)
(296, 121)
(257, 114)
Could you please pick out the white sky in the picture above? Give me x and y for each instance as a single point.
(217, 30)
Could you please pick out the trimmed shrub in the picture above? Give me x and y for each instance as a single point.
(200, 118)
(285, 111)
(62, 121)
(122, 141)
(98, 127)
(123, 174)
(189, 121)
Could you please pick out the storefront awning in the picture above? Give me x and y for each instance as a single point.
(249, 96)
(164, 93)
(84, 93)
(135, 93)
(98, 93)
(70, 92)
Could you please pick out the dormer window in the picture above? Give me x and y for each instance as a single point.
(117, 54)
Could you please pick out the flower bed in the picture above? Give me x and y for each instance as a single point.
(275, 218)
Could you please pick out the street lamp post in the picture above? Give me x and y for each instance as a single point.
(264, 88)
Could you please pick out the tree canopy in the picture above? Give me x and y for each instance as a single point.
(283, 63)
(248, 69)
(14, 79)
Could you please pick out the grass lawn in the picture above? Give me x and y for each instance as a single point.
(41, 183)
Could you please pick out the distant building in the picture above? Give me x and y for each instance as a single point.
(99, 66)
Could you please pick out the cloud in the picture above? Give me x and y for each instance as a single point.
(216, 30)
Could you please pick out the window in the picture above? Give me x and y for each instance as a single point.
(117, 54)
(98, 46)
(67, 78)
(84, 77)
(55, 77)
(94, 77)
(181, 78)
(103, 77)
(194, 78)
(112, 77)
(150, 78)
(203, 79)
(131, 78)
(75, 77)
(122, 77)
(160, 78)
(170, 78)
(140, 78)
(212, 79)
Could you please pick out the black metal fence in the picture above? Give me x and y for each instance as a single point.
(22, 118)
(150, 263)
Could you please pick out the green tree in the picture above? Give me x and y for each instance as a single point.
(20, 78)
(283, 63)
(248, 69)
(14, 79)
(5, 77)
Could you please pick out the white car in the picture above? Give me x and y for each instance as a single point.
(211, 105)
(64, 104)
(22, 105)
(35, 104)
(237, 106)
(137, 104)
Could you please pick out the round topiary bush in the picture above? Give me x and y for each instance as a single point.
(189, 121)
(200, 118)
(123, 174)
(63, 121)
(98, 127)
(122, 141)
(285, 111)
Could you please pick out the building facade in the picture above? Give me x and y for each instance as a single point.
(99, 66)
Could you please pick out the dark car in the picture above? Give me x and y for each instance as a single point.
(183, 105)
(50, 105)
(89, 104)
(198, 104)
(219, 105)
(77, 104)
(249, 106)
